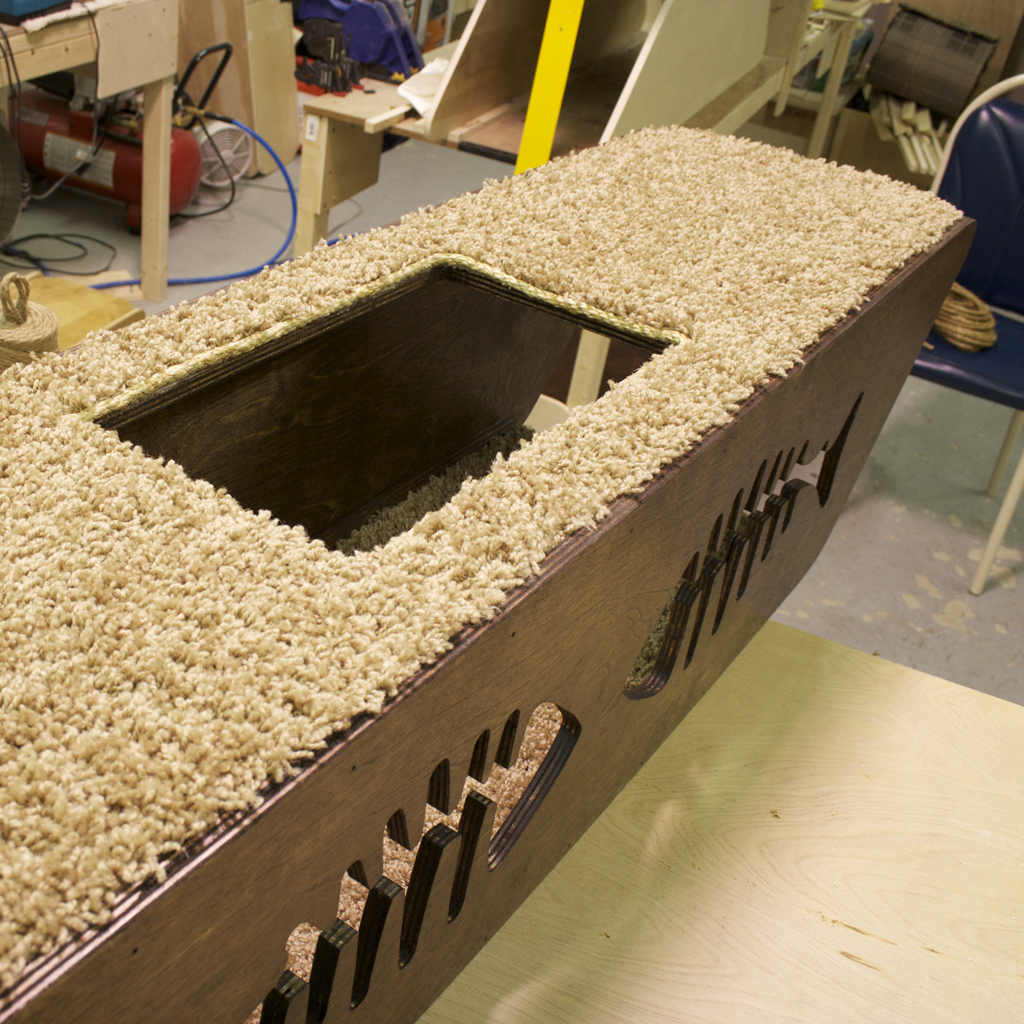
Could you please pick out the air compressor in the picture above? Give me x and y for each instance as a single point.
(63, 131)
(102, 150)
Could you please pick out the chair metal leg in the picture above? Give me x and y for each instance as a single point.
(1012, 433)
(999, 529)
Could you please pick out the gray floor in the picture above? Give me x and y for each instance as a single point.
(893, 578)
(251, 231)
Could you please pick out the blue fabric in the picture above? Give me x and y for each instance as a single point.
(996, 373)
(23, 8)
(985, 179)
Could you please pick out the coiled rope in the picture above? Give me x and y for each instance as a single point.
(965, 321)
(25, 327)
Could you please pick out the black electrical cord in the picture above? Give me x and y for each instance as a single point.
(227, 171)
(12, 251)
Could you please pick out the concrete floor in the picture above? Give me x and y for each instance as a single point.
(893, 577)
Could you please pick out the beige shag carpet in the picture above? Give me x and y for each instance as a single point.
(164, 651)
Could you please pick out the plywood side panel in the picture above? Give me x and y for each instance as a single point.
(272, 79)
(694, 52)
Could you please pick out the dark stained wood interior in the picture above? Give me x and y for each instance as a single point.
(351, 413)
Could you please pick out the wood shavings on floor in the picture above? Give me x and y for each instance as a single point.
(164, 651)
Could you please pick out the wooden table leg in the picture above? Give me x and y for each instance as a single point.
(156, 188)
(338, 160)
(312, 220)
(823, 121)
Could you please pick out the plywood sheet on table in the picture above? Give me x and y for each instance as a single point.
(826, 837)
(80, 309)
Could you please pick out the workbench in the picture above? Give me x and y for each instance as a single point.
(627, 73)
(342, 135)
(130, 45)
(826, 837)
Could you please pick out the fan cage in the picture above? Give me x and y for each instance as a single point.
(236, 148)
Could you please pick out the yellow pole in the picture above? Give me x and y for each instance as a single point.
(549, 83)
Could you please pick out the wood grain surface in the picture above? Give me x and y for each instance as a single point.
(208, 944)
(826, 837)
(358, 106)
(493, 63)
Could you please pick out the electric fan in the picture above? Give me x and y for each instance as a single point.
(236, 152)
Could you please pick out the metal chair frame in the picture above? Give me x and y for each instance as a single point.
(1016, 487)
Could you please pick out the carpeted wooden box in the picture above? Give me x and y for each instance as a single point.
(345, 414)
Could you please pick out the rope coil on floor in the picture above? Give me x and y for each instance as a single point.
(965, 321)
(25, 327)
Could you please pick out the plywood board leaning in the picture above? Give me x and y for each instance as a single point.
(693, 53)
(204, 24)
(156, 187)
(258, 86)
(272, 77)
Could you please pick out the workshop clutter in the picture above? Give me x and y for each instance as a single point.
(344, 40)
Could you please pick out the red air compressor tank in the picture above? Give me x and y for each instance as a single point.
(55, 139)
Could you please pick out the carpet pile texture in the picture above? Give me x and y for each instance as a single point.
(164, 651)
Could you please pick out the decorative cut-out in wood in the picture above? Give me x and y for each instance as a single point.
(441, 876)
(769, 501)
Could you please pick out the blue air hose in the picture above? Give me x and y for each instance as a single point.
(242, 273)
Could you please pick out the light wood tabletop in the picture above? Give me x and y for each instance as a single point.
(374, 107)
(827, 837)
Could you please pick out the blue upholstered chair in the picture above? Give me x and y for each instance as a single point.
(983, 174)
